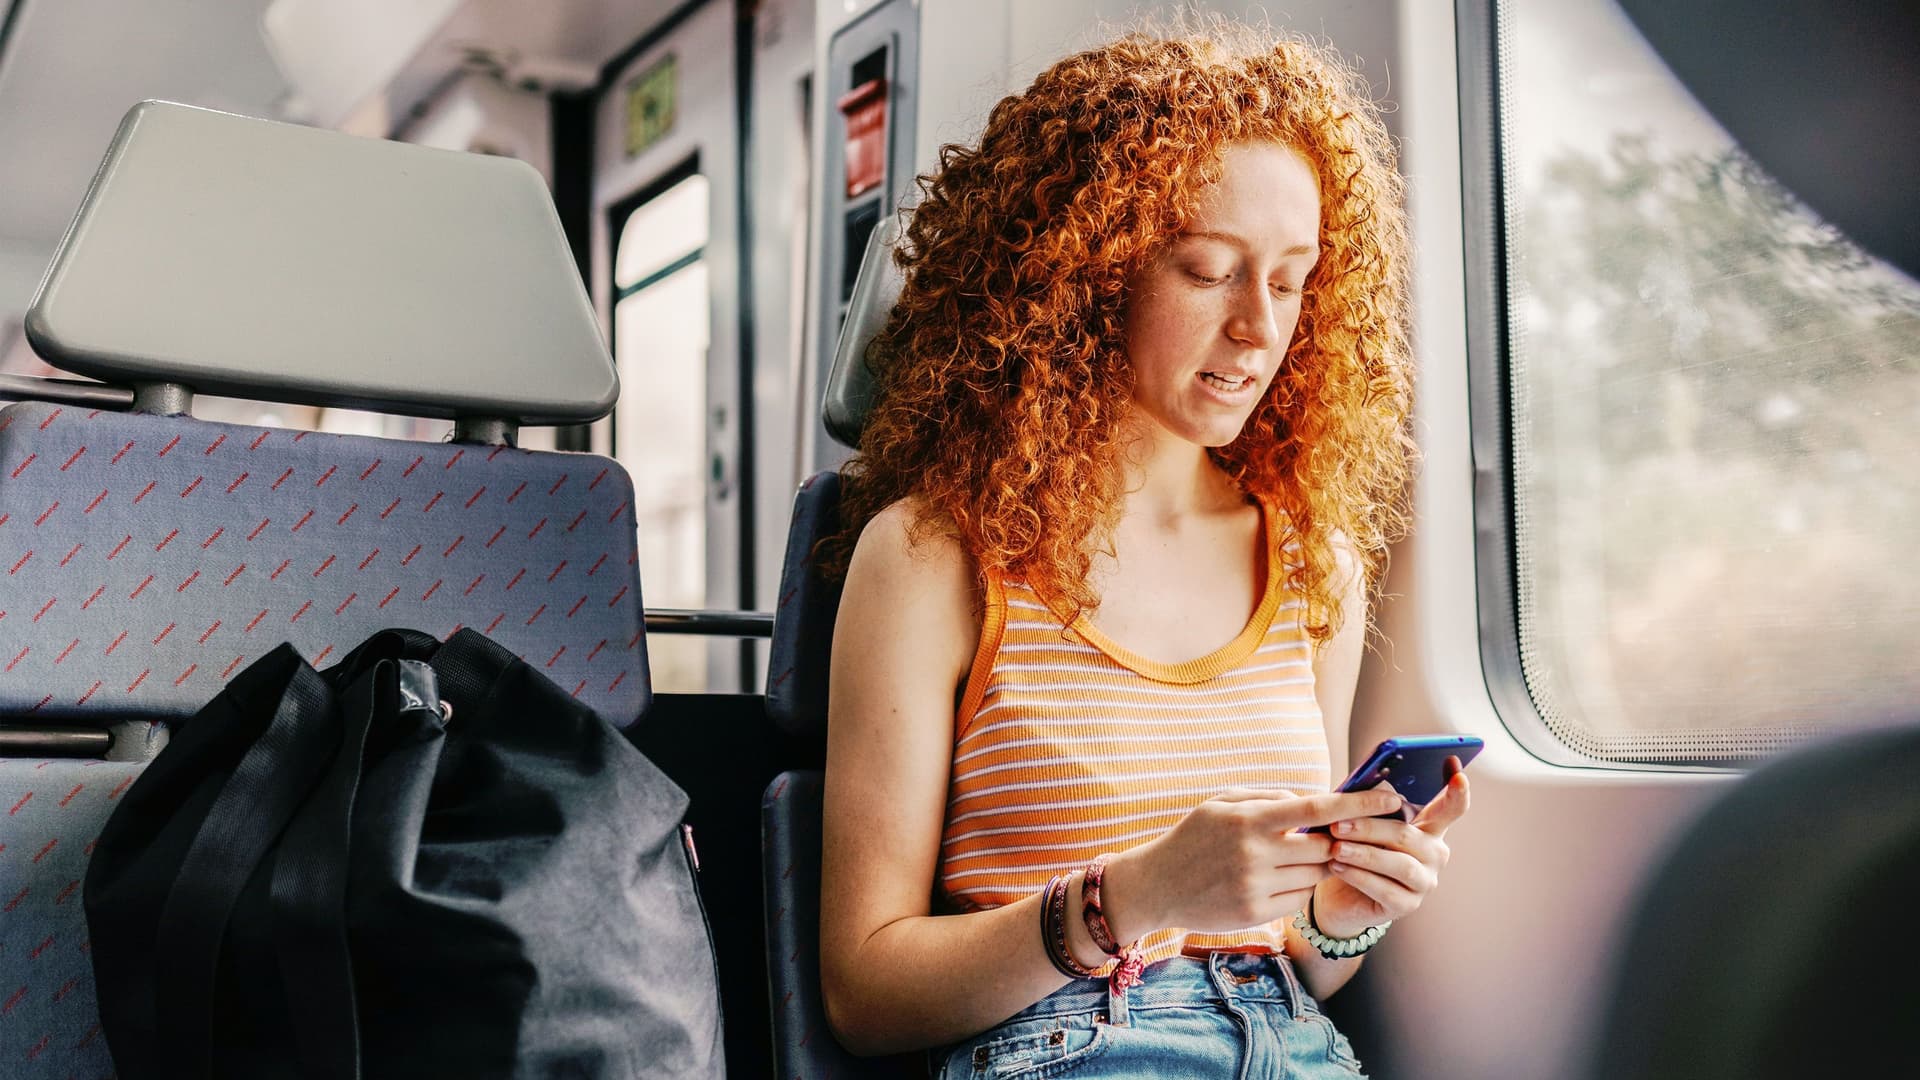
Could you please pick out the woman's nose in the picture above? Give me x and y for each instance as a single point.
(1251, 320)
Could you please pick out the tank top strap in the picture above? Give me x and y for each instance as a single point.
(993, 626)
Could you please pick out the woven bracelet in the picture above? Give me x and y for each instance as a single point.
(1053, 929)
(1091, 910)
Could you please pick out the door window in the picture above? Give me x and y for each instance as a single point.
(661, 318)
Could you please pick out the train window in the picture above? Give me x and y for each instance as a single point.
(660, 334)
(1715, 412)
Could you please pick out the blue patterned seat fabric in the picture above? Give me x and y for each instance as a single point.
(802, 642)
(790, 853)
(797, 678)
(49, 1020)
(790, 824)
(146, 559)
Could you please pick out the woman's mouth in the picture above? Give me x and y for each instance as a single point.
(1227, 383)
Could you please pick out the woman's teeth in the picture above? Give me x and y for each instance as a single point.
(1226, 383)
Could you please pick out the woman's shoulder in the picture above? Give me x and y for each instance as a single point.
(910, 586)
(913, 546)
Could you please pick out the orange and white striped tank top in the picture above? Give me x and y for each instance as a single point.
(1067, 745)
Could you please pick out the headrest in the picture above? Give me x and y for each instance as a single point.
(265, 260)
(849, 382)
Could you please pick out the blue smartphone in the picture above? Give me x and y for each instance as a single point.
(1415, 765)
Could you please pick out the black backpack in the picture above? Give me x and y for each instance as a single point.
(427, 860)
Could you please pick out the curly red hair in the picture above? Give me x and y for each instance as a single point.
(1002, 378)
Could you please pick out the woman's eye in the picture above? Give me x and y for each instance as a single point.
(1206, 279)
(1284, 290)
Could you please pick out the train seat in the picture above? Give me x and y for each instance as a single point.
(150, 556)
(1762, 945)
(798, 659)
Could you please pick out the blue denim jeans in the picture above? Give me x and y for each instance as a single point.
(1229, 1015)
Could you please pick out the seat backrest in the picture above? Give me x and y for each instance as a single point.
(790, 845)
(151, 557)
(797, 683)
(803, 618)
(1773, 940)
(803, 621)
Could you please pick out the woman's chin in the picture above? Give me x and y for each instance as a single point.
(1212, 436)
(1217, 428)
(1209, 430)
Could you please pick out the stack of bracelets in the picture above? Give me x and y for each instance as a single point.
(1053, 928)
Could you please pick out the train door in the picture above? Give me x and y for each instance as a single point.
(667, 281)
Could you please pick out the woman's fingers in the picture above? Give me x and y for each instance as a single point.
(1392, 896)
(1395, 864)
(1402, 868)
(1449, 807)
(1332, 806)
(1397, 835)
(1290, 879)
(1418, 836)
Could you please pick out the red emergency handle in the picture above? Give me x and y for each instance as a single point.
(865, 107)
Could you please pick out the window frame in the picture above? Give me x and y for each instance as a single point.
(1478, 40)
(1482, 39)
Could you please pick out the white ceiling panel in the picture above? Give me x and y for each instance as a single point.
(72, 68)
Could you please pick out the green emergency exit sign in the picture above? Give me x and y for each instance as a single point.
(652, 104)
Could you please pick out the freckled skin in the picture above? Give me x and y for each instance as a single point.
(1225, 297)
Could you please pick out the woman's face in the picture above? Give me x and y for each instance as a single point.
(1209, 320)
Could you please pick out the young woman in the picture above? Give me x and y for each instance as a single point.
(1138, 448)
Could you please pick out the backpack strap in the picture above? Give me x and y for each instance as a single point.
(256, 803)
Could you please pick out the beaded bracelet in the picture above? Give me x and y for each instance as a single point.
(1053, 930)
(1337, 948)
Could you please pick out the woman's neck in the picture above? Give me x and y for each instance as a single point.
(1168, 478)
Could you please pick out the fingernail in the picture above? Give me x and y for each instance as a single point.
(1343, 827)
(1338, 868)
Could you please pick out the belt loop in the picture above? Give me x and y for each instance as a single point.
(1116, 1004)
(1291, 980)
(1218, 975)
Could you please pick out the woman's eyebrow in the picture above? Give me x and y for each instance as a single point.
(1235, 240)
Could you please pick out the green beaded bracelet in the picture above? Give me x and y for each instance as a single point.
(1337, 948)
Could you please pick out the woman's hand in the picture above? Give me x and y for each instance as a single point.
(1236, 860)
(1384, 869)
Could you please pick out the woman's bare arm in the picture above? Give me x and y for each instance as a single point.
(896, 977)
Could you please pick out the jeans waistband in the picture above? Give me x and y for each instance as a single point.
(1178, 981)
